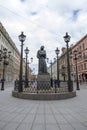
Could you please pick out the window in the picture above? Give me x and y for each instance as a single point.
(84, 66)
(74, 68)
(80, 48)
(83, 46)
(78, 68)
(83, 55)
(77, 50)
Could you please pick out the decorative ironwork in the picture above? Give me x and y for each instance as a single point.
(33, 88)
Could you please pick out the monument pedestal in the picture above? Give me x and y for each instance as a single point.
(43, 81)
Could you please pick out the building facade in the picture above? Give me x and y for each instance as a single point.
(5, 42)
(12, 70)
(81, 48)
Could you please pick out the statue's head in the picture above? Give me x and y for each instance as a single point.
(42, 47)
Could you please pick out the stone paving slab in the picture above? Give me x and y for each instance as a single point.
(21, 114)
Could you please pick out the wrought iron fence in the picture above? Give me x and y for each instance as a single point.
(44, 86)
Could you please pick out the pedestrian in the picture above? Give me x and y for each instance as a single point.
(34, 85)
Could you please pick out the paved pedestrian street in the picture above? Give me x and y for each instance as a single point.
(21, 114)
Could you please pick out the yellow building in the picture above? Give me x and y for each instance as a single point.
(81, 48)
(62, 66)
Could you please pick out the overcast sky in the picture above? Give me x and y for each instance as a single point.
(44, 22)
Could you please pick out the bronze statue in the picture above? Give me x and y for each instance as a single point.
(41, 55)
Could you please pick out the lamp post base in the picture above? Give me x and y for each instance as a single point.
(2, 89)
(20, 86)
(26, 83)
(78, 88)
(70, 86)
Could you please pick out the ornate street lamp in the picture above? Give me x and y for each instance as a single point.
(31, 60)
(51, 71)
(51, 63)
(57, 51)
(26, 71)
(77, 82)
(22, 38)
(4, 56)
(67, 40)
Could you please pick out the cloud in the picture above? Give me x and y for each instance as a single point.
(75, 14)
(33, 13)
(44, 22)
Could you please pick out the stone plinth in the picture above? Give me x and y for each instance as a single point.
(44, 96)
(43, 81)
